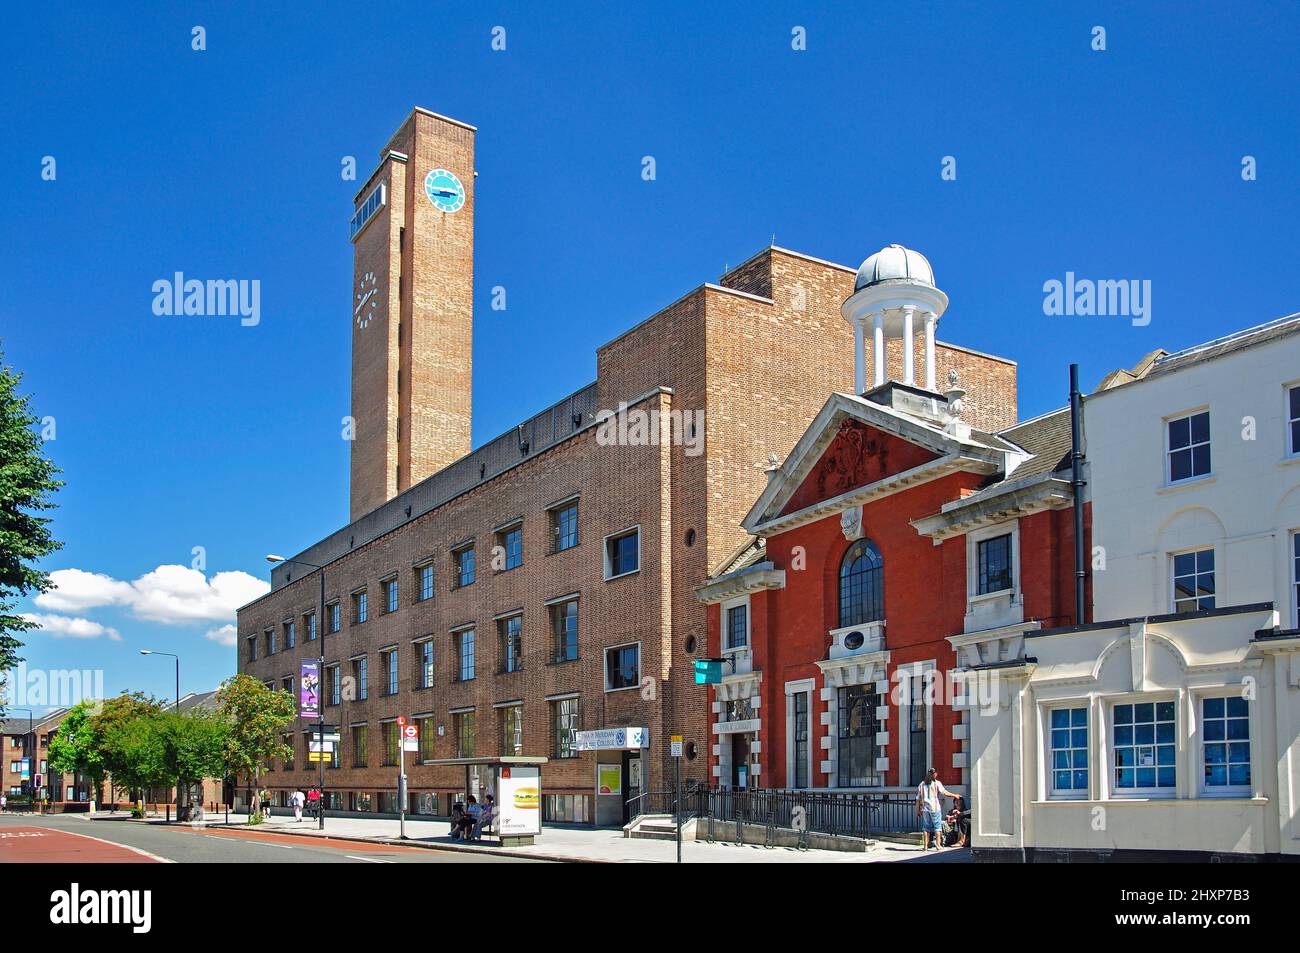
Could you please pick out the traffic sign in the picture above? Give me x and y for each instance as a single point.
(675, 745)
(410, 737)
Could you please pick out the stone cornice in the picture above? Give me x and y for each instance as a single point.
(1047, 493)
(751, 579)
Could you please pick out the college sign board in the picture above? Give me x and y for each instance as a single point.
(309, 690)
(611, 739)
(519, 806)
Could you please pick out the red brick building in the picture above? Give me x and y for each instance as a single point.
(892, 531)
(537, 593)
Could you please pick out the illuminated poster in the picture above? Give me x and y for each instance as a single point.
(520, 806)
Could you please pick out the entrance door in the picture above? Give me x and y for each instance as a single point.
(632, 784)
(740, 760)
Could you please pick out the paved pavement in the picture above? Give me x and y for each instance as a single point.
(75, 838)
(561, 842)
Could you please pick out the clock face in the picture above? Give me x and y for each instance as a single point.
(444, 190)
(367, 302)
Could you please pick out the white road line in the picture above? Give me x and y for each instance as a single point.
(110, 843)
(368, 860)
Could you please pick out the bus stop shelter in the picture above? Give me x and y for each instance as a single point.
(515, 783)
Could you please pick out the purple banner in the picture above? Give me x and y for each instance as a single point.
(309, 690)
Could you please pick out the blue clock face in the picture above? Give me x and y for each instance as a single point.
(444, 190)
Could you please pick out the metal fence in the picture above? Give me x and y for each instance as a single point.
(838, 814)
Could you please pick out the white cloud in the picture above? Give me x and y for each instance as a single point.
(76, 589)
(61, 626)
(227, 635)
(175, 595)
(178, 594)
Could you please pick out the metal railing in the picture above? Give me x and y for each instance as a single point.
(834, 813)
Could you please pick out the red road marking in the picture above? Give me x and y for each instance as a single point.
(47, 845)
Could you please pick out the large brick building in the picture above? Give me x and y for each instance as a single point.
(525, 594)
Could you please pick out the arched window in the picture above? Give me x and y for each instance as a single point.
(861, 585)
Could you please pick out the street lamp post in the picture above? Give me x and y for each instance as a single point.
(320, 691)
(178, 672)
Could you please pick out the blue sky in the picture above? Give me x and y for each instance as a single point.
(182, 432)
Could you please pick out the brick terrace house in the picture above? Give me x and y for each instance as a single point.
(515, 599)
(897, 530)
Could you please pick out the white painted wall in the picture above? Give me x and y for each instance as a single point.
(1180, 660)
(1247, 509)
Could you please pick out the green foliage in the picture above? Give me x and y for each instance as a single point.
(139, 754)
(257, 717)
(193, 744)
(27, 479)
(78, 746)
(115, 729)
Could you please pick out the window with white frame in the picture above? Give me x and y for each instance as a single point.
(1144, 748)
(1188, 450)
(801, 738)
(1225, 744)
(918, 728)
(993, 565)
(1293, 418)
(737, 627)
(1295, 578)
(856, 729)
(623, 553)
(622, 666)
(1068, 752)
(1193, 581)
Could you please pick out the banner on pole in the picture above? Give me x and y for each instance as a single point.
(309, 690)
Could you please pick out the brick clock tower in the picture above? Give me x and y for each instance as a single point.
(412, 309)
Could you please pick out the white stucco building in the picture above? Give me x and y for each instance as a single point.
(1171, 724)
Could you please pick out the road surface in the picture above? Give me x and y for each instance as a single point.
(73, 838)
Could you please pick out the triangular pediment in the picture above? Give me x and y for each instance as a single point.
(858, 455)
(856, 449)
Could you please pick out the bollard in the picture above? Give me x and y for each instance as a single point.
(169, 812)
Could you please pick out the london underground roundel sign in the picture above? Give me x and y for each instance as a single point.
(444, 190)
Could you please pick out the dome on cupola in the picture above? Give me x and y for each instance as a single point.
(895, 264)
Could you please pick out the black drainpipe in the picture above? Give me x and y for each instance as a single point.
(1076, 484)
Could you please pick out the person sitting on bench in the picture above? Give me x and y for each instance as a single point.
(487, 817)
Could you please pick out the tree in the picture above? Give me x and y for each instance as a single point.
(137, 752)
(27, 478)
(78, 746)
(193, 748)
(257, 717)
(120, 740)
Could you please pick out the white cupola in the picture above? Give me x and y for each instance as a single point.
(894, 289)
